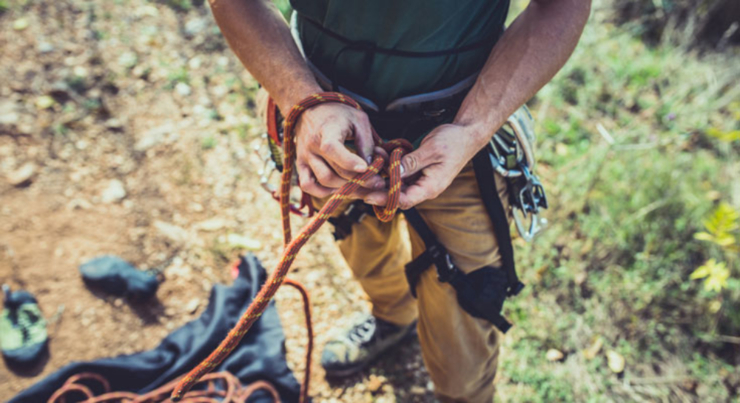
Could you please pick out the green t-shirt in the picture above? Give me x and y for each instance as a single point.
(407, 25)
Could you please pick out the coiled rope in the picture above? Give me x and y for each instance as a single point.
(396, 149)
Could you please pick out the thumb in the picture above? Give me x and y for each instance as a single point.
(416, 161)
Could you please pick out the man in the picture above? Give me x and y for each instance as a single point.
(474, 76)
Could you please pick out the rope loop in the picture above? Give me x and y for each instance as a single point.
(396, 148)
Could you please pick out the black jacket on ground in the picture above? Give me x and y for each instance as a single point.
(260, 355)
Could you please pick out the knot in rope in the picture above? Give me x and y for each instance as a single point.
(396, 149)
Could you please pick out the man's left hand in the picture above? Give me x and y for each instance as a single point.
(430, 169)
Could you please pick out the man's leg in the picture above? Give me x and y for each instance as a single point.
(376, 252)
(459, 350)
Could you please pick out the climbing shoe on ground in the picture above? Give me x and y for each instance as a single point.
(23, 335)
(361, 344)
(118, 277)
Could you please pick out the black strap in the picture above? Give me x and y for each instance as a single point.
(353, 214)
(489, 193)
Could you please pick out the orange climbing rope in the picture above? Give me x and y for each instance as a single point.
(395, 148)
(230, 391)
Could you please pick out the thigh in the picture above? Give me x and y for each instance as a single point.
(459, 350)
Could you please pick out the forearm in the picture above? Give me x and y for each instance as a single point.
(260, 38)
(527, 56)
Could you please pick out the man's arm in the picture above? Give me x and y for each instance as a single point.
(260, 38)
(527, 56)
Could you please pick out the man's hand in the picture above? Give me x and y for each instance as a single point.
(430, 169)
(323, 162)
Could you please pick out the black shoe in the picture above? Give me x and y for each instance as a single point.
(361, 344)
(118, 277)
(23, 336)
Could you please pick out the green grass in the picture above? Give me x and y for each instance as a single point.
(615, 261)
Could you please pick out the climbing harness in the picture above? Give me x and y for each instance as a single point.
(395, 148)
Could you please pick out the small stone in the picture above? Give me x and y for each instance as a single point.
(374, 384)
(113, 192)
(79, 204)
(195, 63)
(554, 355)
(8, 112)
(128, 59)
(113, 124)
(615, 361)
(417, 390)
(170, 231)
(195, 26)
(192, 306)
(118, 302)
(20, 24)
(45, 102)
(45, 47)
(241, 241)
(80, 71)
(154, 137)
(23, 175)
(183, 89)
(213, 224)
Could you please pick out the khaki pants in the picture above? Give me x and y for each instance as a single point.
(460, 351)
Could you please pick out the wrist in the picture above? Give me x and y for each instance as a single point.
(294, 94)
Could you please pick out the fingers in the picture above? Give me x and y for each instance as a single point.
(324, 174)
(364, 137)
(309, 184)
(427, 154)
(424, 189)
(333, 150)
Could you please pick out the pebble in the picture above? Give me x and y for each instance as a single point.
(113, 192)
(554, 355)
(45, 47)
(241, 241)
(170, 231)
(195, 26)
(23, 175)
(8, 112)
(417, 390)
(154, 136)
(45, 102)
(213, 224)
(374, 384)
(128, 59)
(183, 89)
(20, 24)
(193, 305)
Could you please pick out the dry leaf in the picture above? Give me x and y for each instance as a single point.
(594, 349)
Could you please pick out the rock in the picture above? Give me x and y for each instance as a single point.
(213, 224)
(128, 59)
(183, 89)
(45, 102)
(192, 306)
(113, 192)
(79, 204)
(23, 175)
(113, 124)
(374, 384)
(20, 24)
(554, 355)
(8, 112)
(241, 241)
(45, 47)
(195, 25)
(417, 390)
(615, 361)
(154, 137)
(170, 231)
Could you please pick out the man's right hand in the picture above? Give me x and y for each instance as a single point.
(323, 161)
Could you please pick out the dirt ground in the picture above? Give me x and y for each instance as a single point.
(127, 128)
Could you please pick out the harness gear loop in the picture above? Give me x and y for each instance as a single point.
(396, 149)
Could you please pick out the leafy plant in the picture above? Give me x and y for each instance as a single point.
(720, 228)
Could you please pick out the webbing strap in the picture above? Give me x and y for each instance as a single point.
(489, 193)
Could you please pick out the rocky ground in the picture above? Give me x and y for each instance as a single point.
(128, 128)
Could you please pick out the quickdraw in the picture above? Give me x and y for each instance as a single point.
(395, 148)
(511, 152)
